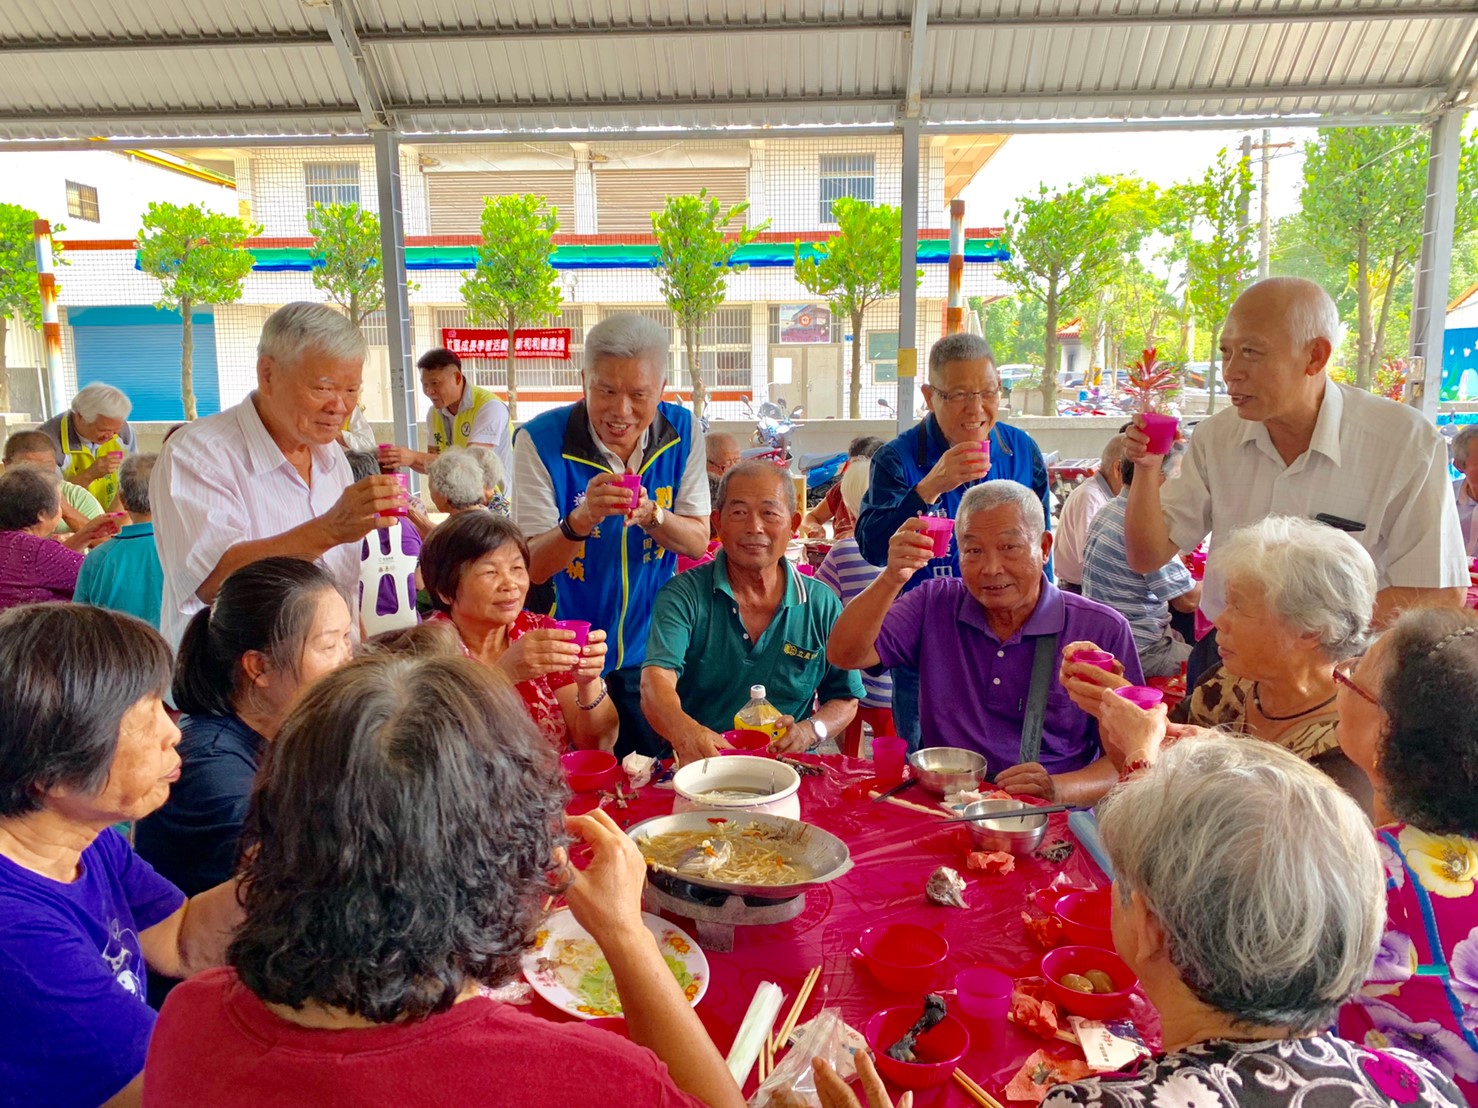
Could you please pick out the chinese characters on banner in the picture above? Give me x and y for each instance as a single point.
(468, 342)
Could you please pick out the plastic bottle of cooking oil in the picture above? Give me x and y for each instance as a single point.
(758, 715)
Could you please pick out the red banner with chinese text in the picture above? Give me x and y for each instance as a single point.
(469, 342)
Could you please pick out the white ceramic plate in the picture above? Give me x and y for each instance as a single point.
(566, 967)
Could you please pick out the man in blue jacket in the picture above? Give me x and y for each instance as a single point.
(926, 470)
(606, 558)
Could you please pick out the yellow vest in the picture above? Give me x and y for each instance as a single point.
(459, 434)
(79, 455)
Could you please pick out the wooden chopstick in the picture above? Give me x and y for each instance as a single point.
(788, 1027)
(767, 1057)
(974, 1091)
(910, 804)
(1065, 1036)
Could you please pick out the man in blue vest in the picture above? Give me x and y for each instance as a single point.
(927, 469)
(606, 558)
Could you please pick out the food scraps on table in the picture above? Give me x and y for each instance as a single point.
(1031, 1010)
(1046, 933)
(934, 1011)
(1040, 1072)
(994, 863)
(1056, 852)
(945, 887)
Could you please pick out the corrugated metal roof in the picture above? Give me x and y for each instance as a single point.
(165, 69)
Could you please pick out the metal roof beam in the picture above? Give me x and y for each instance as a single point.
(918, 29)
(364, 79)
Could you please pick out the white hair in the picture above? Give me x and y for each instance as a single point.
(457, 477)
(1316, 578)
(959, 347)
(493, 476)
(993, 494)
(854, 483)
(296, 329)
(133, 482)
(1262, 871)
(1312, 312)
(1462, 442)
(98, 399)
(628, 335)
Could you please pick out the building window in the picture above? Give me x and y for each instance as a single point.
(82, 202)
(332, 182)
(845, 175)
(779, 329)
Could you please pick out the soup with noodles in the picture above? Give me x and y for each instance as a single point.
(746, 854)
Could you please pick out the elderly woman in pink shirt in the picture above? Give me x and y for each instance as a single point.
(34, 566)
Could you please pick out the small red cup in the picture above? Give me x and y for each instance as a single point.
(581, 628)
(1100, 659)
(747, 742)
(631, 481)
(1161, 430)
(889, 756)
(939, 529)
(405, 487)
(1141, 696)
(985, 449)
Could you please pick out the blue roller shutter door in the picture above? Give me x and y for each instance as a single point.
(137, 349)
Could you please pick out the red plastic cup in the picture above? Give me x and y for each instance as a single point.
(589, 770)
(985, 994)
(405, 487)
(985, 449)
(115, 453)
(1161, 430)
(581, 628)
(747, 742)
(889, 756)
(1099, 659)
(904, 957)
(631, 481)
(939, 529)
(1141, 696)
(938, 1049)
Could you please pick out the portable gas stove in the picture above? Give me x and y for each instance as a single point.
(715, 913)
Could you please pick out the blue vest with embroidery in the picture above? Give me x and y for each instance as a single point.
(614, 578)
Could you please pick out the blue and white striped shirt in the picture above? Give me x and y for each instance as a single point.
(1141, 598)
(846, 572)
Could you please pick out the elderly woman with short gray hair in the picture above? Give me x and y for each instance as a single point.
(92, 438)
(455, 480)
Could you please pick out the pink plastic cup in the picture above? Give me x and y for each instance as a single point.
(405, 487)
(985, 994)
(115, 454)
(631, 481)
(1161, 430)
(985, 449)
(939, 529)
(579, 626)
(1100, 659)
(755, 743)
(1141, 696)
(889, 756)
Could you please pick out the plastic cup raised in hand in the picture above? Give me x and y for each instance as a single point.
(580, 627)
(1100, 659)
(632, 482)
(1141, 696)
(405, 488)
(939, 529)
(1161, 431)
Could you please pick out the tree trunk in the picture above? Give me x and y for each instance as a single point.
(1362, 292)
(4, 368)
(512, 371)
(187, 357)
(1385, 309)
(1049, 359)
(354, 309)
(854, 392)
(695, 372)
(1211, 368)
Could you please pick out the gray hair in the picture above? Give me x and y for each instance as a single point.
(493, 476)
(756, 468)
(296, 329)
(456, 476)
(1262, 871)
(1317, 579)
(959, 347)
(994, 494)
(854, 483)
(628, 335)
(1113, 452)
(98, 399)
(28, 494)
(1311, 311)
(1462, 442)
(133, 482)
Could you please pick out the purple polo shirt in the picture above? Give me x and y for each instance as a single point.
(973, 686)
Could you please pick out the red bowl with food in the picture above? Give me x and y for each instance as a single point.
(1088, 962)
(904, 957)
(1087, 917)
(938, 1049)
(589, 770)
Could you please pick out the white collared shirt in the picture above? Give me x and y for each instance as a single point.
(490, 427)
(222, 480)
(1371, 461)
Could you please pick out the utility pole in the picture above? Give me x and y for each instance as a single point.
(1244, 203)
(1264, 221)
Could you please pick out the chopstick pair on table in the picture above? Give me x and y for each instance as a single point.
(777, 1040)
(974, 1091)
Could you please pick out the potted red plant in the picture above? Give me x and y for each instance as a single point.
(1151, 386)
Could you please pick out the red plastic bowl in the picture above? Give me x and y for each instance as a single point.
(1081, 959)
(904, 957)
(589, 770)
(755, 743)
(940, 1048)
(1086, 917)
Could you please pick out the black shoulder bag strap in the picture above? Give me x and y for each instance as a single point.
(1044, 661)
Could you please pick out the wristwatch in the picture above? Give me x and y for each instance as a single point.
(658, 515)
(819, 727)
(569, 532)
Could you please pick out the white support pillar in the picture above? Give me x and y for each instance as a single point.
(908, 286)
(397, 305)
(1434, 268)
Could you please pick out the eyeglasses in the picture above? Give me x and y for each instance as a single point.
(1344, 674)
(960, 398)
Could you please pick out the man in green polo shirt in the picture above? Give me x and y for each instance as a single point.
(746, 618)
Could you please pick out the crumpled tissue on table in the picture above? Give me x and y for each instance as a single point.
(639, 768)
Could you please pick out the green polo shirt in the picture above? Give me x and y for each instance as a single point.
(697, 633)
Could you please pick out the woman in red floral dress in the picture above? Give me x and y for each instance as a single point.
(476, 568)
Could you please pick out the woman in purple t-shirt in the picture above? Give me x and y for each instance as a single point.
(85, 743)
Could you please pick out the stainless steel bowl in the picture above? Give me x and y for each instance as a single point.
(1014, 834)
(821, 853)
(947, 769)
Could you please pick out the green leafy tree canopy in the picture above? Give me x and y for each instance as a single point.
(346, 258)
(20, 295)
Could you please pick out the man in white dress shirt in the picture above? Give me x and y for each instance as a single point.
(1078, 510)
(267, 477)
(1296, 443)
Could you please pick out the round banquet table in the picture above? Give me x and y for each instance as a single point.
(894, 849)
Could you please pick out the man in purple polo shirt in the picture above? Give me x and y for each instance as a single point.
(974, 638)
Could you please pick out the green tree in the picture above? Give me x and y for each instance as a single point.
(513, 281)
(1130, 311)
(695, 249)
(855, 269)
(346, 258)
(20, 295)
(1013, 327)
(198, 257)
(1063, 246)
(1219, 254)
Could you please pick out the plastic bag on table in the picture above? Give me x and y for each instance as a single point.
(823, 1039)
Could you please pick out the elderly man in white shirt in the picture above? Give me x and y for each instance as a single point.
(267, 477)
(1078, 511)
(1296, 443)
(1465, 488)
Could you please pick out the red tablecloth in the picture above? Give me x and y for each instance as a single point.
(894, 850)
